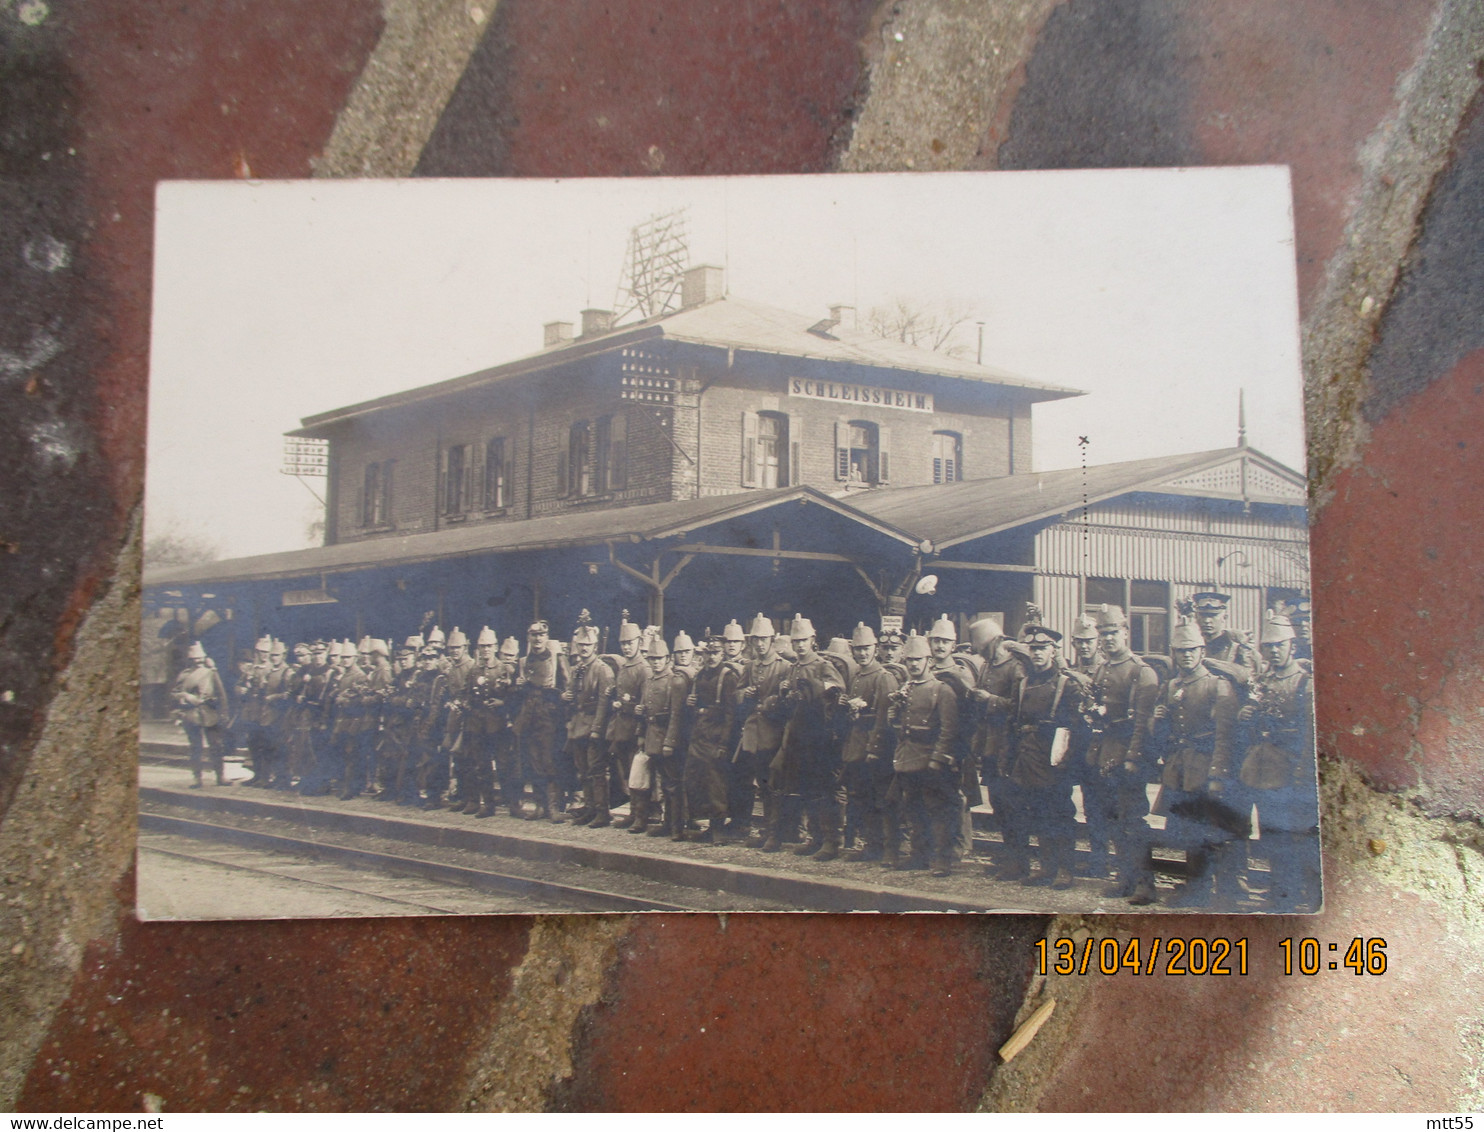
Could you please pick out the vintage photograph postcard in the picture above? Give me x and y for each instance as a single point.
(900, 543)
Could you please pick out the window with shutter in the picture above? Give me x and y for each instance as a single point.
(842, 450)
(749, 449)
(457, 469)
(496, 485)
(579, 477)
(600, 461)
(618, 453)
(772, 449)
(947, 457)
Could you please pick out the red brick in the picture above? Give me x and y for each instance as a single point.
(1399, 598)
(1333, 1041)
(284, 1016)
(770, 1013)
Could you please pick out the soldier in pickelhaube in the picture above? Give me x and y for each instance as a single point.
(200, 708)
(439, 644)
(1044, 727)
(458, 667)
(659, 765)
(276, 691)
(1221, 643)
(624, 728)
(398, 771)
(805, 773)
(428, 694)
(1192, 727)
(763, 717)
(357, 709)
(683, 655)
(1276, 739)
(867, 750)
(250, 712)
(712, 703)
(992, 703)
(541, 681)
(1116, 707)
(487, 724)
(960, 671)
(923, 713)
(589, 698)
(1084, 659)
(306, 718)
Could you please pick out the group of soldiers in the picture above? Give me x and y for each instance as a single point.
(874, 747)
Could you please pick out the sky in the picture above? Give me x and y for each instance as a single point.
(1159, 292)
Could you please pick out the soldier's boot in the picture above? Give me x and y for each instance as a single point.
(829, 831)
(196, 774)
(543, 804)
(679, 823)
(669, 823)
(554, 812)
(891, 856)
(486, 802)
(601, 815)
(627, 820)
(941, 829)
(873, 839)
(638, 820)
(760, 839)
(512, 795)
(814, 828)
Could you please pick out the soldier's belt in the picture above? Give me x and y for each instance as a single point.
(922, 734)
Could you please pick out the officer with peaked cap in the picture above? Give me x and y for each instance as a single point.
(1044, 727)
(805, 773)
(1219, 642)
(1278, 773)
(624, 729)
(923, 713)
(200, 707)
(866, 754)
(542, 680)
(359, 703)
(888, 652)
(306, 720)
(1117, 706)
(589, 697)
(398, 771)
(763, 715)
(428, 693)
(1192, 727)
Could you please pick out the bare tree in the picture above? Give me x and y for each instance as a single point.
(172, 546)
(919, 324)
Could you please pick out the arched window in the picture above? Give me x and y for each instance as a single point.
(948, 457)
(862, 452)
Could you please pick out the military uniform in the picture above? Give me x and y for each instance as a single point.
(1276, 738)
(624, 728)
(488, 735)
(924, 715)
(306, 719)
(1193, 727)
(713, 707)
(398, 773)
(541, 681)
(805, 773)
(763, 717)
(1044, 727)
(590, 698)
(866, 754)
(660, 762)
(1115, 800)
(459, 669)
(200, 706)
(274, 693)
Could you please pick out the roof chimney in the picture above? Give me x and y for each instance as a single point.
(556, 334)
(595, 321)
(701, 284)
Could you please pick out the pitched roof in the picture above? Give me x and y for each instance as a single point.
(727, 323)
(954, 513)
(638, 522)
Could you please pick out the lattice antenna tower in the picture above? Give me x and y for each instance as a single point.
(656, 259)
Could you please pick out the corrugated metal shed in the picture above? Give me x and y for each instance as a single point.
(953, 513)
(729, 323)
(646, 521)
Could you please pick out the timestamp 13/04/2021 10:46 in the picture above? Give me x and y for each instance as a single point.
(1179, 955)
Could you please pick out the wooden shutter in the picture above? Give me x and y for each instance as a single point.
(442, 496)
(795, 472)
(564, 468)
(883, 454)
(842, 450)
(749, 449)
(361, 503)
(387, 467)
(618, 451)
